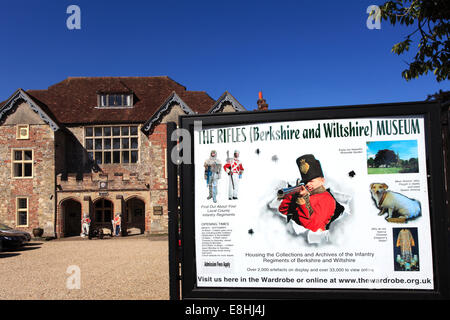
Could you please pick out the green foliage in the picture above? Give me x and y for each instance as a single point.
(431, 21)
(441, 96)
(385, 157)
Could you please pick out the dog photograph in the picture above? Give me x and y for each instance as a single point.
(395, 206)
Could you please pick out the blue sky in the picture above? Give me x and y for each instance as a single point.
(299, 53)
(406, 149)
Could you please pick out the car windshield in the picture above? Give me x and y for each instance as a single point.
(4, 227)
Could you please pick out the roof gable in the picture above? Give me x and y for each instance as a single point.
(173, 99)
(226, 99)
(21, 96)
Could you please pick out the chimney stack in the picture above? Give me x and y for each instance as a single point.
(262, 104)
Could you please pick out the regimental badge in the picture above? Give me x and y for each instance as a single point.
(304, 166)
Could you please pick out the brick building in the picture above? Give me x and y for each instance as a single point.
(95, 146)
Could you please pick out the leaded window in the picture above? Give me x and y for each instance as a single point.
(112, 144)
(22, 163)
(115, 100)
(22, 211)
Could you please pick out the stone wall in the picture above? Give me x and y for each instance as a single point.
(40, 188)
(158, 178)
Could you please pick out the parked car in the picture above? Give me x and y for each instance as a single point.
(13, 232)
(11, 240)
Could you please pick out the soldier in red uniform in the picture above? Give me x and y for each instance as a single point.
(117, 222)
(85, 222)
(234, 169)
(313, 207)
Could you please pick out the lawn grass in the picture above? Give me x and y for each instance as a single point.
(383, 170)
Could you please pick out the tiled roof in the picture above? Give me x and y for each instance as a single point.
(74, 100)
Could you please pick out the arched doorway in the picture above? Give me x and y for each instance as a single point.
(103, 213)
(135, 218)
(72, 217)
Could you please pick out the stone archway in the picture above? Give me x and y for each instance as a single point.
(135, 214)
(72, 217)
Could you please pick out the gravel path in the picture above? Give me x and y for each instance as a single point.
(119, 268)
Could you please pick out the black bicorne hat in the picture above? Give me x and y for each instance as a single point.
(309, 167)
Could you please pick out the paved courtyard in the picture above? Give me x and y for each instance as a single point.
(133, 267)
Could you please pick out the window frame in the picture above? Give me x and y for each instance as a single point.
(103, 100)
(23, 162)
(22, 126)
(18, 210)
(121, 136)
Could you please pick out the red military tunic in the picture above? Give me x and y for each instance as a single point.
(86, 220)
(323, 206)
(235, 167)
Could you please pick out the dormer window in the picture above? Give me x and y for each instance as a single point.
(115, 100)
